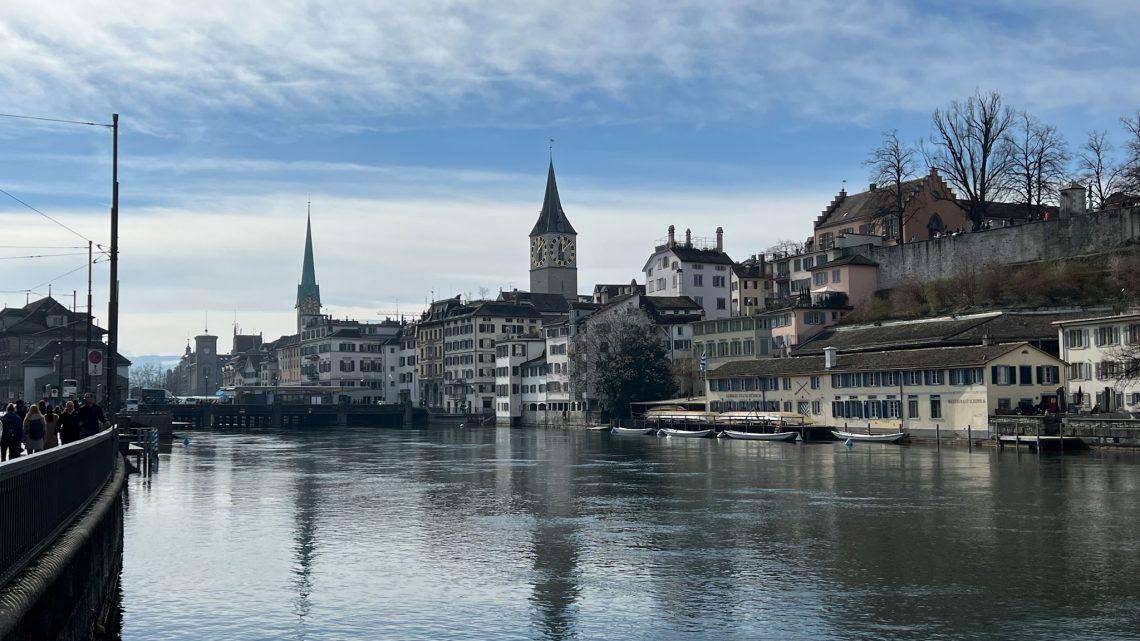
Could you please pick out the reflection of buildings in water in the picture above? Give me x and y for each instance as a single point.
(306, 500)
(548, 490)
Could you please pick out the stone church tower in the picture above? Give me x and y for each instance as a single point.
(553, 247)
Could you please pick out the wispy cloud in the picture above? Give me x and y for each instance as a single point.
(692, 60)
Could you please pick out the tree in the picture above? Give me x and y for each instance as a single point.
(1039, 156)
(891, 164)
(619, 358)
(1130, 173)
(147, 375)
(972, 151)
(1097, 169)
(786, 247)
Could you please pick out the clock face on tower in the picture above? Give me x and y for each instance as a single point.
(538, 252)
(310, 306)
(562, 251)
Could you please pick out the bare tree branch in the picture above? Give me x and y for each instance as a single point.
(1097, 169)
(972, 151)
(1038, 158)
(891, 164)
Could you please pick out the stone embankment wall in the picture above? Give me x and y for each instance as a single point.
(1061, 238)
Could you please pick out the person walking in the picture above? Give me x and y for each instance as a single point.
(92, 420)
(51, 422)
(68, 424)
(11, 433)
(34, 430)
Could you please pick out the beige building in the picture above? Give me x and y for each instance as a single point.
(917, 390)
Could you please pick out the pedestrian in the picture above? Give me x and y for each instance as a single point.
(92, 420)
(51, 422)
(34, 430)
(11, 433)
(69, 424)
(21, 409)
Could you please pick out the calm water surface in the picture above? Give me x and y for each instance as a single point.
(491, 533)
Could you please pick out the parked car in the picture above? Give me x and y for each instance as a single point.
(132, 405)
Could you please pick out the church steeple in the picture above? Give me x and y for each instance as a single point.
(308, 291)
(552, 219)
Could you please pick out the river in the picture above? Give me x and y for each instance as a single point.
(446, 533)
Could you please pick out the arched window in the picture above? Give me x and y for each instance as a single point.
(935, 226)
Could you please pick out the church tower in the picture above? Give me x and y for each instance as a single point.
(308, 292)
(553, 247)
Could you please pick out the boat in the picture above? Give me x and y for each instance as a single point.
(598, 428)
(671, 431)
(787, 437)
(890, 437)
(632, 431)
(680, 422)
(762, 426)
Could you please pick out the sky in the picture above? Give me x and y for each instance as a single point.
(419, 132)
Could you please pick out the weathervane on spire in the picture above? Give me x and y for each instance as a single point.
(551, 150)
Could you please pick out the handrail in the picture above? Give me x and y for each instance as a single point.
(40, 495)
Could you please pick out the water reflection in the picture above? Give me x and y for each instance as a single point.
(552, 534)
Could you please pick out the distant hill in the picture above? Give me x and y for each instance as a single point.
(163, 362)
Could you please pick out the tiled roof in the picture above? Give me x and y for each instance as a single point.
(544, 303)
(854, 259)
(670, 302)
(848, 208)
(962, 356)
(694, 255)
(995, 326)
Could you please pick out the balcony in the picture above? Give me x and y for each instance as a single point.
(832, 300)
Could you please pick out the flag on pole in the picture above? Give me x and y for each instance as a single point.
(704, 361)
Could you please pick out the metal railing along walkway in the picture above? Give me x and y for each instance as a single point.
(42, 493)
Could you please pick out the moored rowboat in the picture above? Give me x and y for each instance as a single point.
(893, 437)
(632, 431)
(668, 431)
(761, 436)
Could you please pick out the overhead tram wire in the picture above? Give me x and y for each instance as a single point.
(45, 216)
(43, 256)
(70, 122)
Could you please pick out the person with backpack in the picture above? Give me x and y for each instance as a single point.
(11, 433)
(35, 428)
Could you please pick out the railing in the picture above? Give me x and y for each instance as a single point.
(42, 493)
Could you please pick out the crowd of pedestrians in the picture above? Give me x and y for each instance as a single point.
(27, 429)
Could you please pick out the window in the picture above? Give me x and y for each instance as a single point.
(1080, 371)
(815, 382)
(720, 303)
(787, 384)
(718, 281)
(835, 273)
(796, 265)
(1048, 375)
(1107, 336)
(1077, 338)
(1003, 375)
(819, 278)
(816, 408)
(698, 280)
(935, 406)
(660, 284)
(912, 407)
(700, 300)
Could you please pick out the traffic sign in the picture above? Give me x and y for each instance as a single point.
(95, 362)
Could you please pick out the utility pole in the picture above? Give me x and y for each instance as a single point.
(90, 320)
(113, 299)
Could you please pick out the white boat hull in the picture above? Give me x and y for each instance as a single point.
(893, 437)
(687, 433)
(760, 436)
(632, 431)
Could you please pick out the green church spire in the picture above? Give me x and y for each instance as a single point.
(309, 292)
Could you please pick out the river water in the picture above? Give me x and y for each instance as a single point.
(486, 533)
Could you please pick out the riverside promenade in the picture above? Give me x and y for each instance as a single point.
(61, 524)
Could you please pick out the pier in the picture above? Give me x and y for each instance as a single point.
(231, 415)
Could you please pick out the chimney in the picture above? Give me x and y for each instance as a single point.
(671, 239)
(829, 357)
(688, 238)
(720, 239)
(872, 187)
(1073, 201)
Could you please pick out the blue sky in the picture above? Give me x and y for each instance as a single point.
(419, 131)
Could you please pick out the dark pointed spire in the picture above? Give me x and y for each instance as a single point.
(552, 219)
(308, 284)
